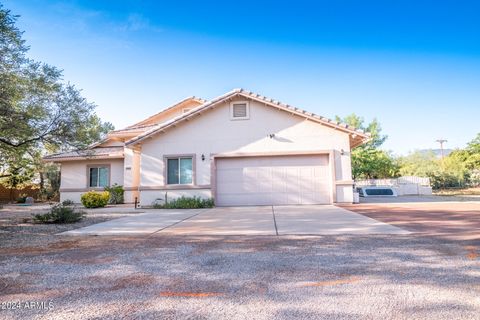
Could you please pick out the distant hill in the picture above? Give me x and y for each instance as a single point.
(437, 152)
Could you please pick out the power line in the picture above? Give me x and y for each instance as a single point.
(442, 141)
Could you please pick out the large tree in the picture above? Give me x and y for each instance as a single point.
(368, 160)
(38, 111)
(472, 156)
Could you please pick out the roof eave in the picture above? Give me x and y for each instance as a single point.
(66, 159)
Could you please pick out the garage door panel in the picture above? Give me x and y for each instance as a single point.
(293, 198)
(273, 180)
(309, 198)
(231, 175)
(306, 172)
(320, 172)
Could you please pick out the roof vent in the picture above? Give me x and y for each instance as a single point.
(239, 110)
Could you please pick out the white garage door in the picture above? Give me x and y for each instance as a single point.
(275, 180)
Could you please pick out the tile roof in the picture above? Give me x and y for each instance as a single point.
(145, 130)
(198, 100)
(95, 153)
(254, 96)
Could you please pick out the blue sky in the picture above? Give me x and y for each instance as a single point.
(414, 65)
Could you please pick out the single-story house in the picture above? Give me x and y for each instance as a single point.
(240, 148)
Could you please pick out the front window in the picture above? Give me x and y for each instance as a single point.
(180, 170)
(98, 177)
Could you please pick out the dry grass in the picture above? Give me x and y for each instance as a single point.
(458, 192)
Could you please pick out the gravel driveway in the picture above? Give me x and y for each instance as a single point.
(47, 276)
(282, 277)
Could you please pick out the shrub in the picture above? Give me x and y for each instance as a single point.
(186, 203)
(116, 194)
(68, 202)
(59, 214)
(94, 199)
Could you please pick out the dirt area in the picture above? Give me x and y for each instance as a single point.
(457, 192)
(17, 229)
(286, 277)
(47, 276)
(448, 219)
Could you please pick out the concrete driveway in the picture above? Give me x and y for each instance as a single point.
(264, 220)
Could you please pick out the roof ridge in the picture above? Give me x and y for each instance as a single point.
(257, 97)
(277, 102)
(201, 100)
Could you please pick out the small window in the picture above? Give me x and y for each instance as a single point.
(98, 177)
(239, 110)
(180, 170)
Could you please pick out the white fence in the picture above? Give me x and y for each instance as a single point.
(409, 185)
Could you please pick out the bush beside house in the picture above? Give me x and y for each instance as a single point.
(95, 199)
(186, 203)
(116, 194)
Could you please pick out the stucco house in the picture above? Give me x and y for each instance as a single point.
(240, 148)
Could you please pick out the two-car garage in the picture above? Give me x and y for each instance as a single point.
(273, 180)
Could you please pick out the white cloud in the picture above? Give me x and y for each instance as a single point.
(136, 22)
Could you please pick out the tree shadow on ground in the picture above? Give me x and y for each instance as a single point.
(248, 277)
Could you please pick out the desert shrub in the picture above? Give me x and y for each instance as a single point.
(94, 199)
(116, 194)
(186, 203)
(59, 214)
(68, 202)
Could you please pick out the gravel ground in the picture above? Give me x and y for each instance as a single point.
(18, 231)
(180, 277)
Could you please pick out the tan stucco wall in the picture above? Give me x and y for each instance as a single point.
(131, 174)
(213, 132)
(74, 177)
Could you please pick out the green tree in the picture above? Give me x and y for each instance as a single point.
(472, 154)
(419, 163)
(38, 111)
(443, 173)
(368, 160)
(372, 163)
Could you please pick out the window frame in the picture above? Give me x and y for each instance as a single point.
(109, 175)
(178, 157)
(247, 104)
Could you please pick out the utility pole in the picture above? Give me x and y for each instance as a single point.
(442, 141)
